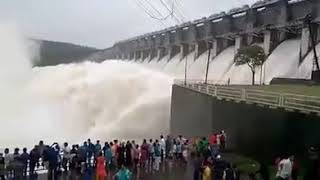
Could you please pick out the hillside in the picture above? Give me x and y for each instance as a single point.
(53, 53)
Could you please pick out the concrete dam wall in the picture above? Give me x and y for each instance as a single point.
(268, 22)
(260, 132)
(278, 26)
(282, 62)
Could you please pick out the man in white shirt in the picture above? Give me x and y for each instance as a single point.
(8, 159)
(66, 156)
(162, 147)
(285, 169)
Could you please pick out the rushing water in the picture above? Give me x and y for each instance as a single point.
(107, 100)
(282, 62)
(112, 99)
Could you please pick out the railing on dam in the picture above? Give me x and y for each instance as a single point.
(290, 102)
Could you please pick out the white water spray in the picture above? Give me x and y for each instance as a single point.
(72, 102)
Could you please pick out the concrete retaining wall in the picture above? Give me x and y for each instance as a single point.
(256, 131)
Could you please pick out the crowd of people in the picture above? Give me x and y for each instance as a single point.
(127, 157)
(208, 162)
(92, 158)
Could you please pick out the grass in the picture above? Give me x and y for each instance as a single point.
(244, 164)
(308, 90)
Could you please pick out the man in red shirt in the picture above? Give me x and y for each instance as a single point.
(213, 139)
(213, 145)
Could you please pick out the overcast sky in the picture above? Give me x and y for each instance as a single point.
(100, 23)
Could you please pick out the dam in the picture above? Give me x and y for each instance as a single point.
(278, 26)
(132, 83)
(282, 28)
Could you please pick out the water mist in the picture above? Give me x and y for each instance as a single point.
(72, 102)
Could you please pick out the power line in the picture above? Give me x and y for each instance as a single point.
(148, 12)
(174, 11)
(159, 13)
(173, 15)
(179, 11)
(177, 8)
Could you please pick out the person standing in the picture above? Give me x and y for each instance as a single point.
(144, 153)
(222, 138)
(51, 155)
(219, 167)
(101, 169)
(123, 174)
(17, 165)
(113, 151)
(150, 152)
(214, 148)
(2, 167)
(179, 151)
(25, 157)
(168, 146)
(180, 139)
(218, 140)
(66, 156)
(185, 152)
(162, 147)
(285, 169)
(108, 155)
(41, 148)
(196, 162)
(128, 148)
(313, 164)
(121, 154)
(91, 151)
(174, 150)
(157, 156)
(203, 145)
(82, 153)
(8, 158)
(207, 174)
(136, 157)
(34, 159)
(213, 139)
(229, 173)
(97, 148)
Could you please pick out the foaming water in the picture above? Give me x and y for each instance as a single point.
(284, 61)
(306, 66)
(72, 102)
(105, 100)
(112, 99)
(197, 68)
(220, 65)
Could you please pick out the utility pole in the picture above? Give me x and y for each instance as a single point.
(208, 62)
(313, 41)
(186, 68)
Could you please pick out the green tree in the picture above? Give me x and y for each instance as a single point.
(253, 56)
